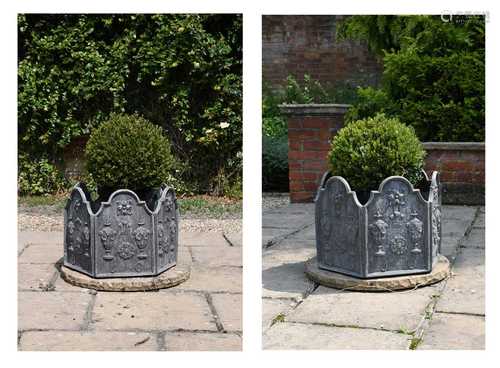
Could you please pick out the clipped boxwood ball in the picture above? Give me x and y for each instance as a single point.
(128, 152)
(367, 151)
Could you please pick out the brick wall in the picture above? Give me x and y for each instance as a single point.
(311, 128)
(73, 158)
(462, 169)
(306, 44)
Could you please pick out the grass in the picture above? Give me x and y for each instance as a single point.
(202, 206)
(414, 343)
(280, 318)
(53, 200)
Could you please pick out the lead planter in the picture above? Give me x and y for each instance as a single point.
(397, 232)
(123, 237)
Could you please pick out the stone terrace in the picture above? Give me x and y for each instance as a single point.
(299, 314)
(203, 313)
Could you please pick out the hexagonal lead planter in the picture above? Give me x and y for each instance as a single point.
(122, 237)
(397, 232)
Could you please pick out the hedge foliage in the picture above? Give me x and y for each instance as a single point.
(181, 72)
(434, 73)
(127, 151)
(367, 151)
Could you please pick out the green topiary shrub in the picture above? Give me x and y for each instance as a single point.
(365, 152)
(127, 151)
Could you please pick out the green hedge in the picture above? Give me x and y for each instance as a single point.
(433, 75)
(181, 72)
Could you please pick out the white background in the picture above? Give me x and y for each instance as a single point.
(252, 354)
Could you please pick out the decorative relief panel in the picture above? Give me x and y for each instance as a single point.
(337, 227)
(77, 232)
(167, 231)
(124, 229)
(396, 236)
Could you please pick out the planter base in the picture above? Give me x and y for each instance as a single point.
(339, 281)
(170, 278)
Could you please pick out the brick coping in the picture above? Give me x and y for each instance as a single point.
(454, 146)
(314, 109)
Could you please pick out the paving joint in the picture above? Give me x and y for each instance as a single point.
(229, 242)
(87, 319)
(160, 341)
(324, 324)
(462, 313)
(215, 315)
(280, 238)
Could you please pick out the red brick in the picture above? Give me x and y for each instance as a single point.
(294, 122)
(325, 135)
(301, 197)
(316, 122)
(315, 165)
(447, 176)
(457, 165)
(463, 177)
(316, 146)
(307, 155)
(295, 145)
(311, 185)
(301, 175)
(293, 164)
(303, 134)
(296, 185)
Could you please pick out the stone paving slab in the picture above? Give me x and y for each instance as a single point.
(304, 337)
(235, 239)
(465, 292)
(271, 308)
(454, 332)
(458, 212)
(52, 310)
(475, 239)
(35, 277)
(228, 307)
(87, 341)
(195, 341)
(217, 256)
(284, 277)
(480, 221)
(151, 311)
(202, 239)
(42, 253)
(401, 310)
(213, 279)
(40, 237)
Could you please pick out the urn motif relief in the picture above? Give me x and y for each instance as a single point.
(121, 237)
(396, 232)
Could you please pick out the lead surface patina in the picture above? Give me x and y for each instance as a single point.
(122, 237)
(397, 232)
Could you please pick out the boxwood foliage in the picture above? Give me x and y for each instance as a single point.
(434, 73)
(182, 72)
(129, 152)
(367, 151)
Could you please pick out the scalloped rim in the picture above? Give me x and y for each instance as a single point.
(327, 177)
(81, 190)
